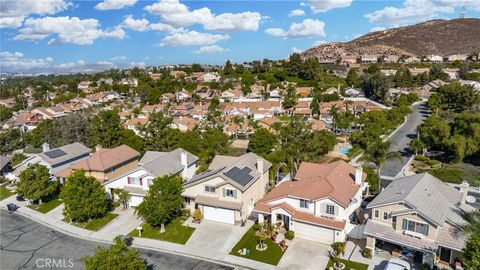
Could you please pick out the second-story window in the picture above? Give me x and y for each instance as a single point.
(209, 189)
(385, 215)
(376, 213)
(304, 204)
(230, 193)
(330, 209)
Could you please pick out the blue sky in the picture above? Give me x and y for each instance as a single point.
(63, 35)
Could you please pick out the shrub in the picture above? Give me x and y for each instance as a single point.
(256, 226)
(422, 158)
(367, 253)
(290, 235)
(197, 215)
(339, 247)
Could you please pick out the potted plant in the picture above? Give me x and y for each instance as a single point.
(197, 215)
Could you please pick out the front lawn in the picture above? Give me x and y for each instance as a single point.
(95, 224)
(272, 255)
(175, 232)
(5, 193)
(46, 206)
(349, 265)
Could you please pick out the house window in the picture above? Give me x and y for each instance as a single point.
(385, 215)
(304, 204)
(330, 209)
(409, 225)
(376, 213)
(135, 181)
(209, 189)
(229, 193)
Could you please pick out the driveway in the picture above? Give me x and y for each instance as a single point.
(401, 140)
(215, 240)
(305, 254)
(124, 223)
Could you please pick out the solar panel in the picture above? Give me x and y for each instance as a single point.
(55, 153)
(241, 176)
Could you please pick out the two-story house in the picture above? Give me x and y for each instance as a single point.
(318, 203)
(152, 165)
(421, 213)
(228, 190)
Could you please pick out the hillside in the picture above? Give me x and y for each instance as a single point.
(443, 37)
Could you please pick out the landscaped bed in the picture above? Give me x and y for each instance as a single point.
(175, 232)
(5, 193)
(46, 206)
(96, 224)
(349, 265)
(271, 255)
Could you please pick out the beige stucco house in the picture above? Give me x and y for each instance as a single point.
(229, 190)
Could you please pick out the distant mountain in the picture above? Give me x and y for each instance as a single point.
(442, 37)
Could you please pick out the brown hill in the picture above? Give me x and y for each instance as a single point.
(442, 37)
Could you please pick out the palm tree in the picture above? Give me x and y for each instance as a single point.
(378, 153)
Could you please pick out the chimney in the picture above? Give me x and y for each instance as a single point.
(358, 175)
(183, 159)
(463, 192)
(260, 165)
(45, 147)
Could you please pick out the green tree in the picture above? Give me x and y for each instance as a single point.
(378, 153)
(5, 113)
(471, 252)
(10, 140)
(352, 78)
(163, 201)
(105, 129)
(372, 179)
(158, 133)
(262, 142)
(416, 146)
(17, 158)
(84, 197)
(228, 68)
(117, 256)
(35, 183)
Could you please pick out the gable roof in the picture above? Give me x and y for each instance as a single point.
(4, 160)
(241, 172)
(105, 159)
(430, 197)
(64, 153)
(167, 163)
(315, 181)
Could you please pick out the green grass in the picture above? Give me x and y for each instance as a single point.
(284, 117)
(94, 224)
(5, 193)
(46, 206)
(175, 232)
(349, 265)
(272, 255)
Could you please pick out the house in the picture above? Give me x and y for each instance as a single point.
(434, 58)
(354, 92)
(5, 164)
(56, 159)
(184, 109)
(302, 108)
(131, 82)
(421, 213)
(452, 73)
(388, 72)
(369, 59)
(84, 85)
(276, 93)
(8, 102)
(167, 97)
(105, 163)
(228, 190)
(155, 76)
(137, 180)
(184, 123)
(135, 124)
(391, 58)
(177, 74)
(303, 91)
(415, 71)
(318, 204)
(269, 123)
(209, 77)
(231, 94)
(412, 59)
(26, 121)
(49, 113)
(457, 57)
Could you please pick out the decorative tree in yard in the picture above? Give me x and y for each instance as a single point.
(378, 153)
(84, 197)
(117, 256)
(471, 252)
(163, 201)
(35, 183)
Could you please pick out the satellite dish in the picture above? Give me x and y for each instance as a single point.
(470, 199)
(366, 216)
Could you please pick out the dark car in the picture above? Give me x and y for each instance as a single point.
(126, 239)
(20, 198)
(12, 207)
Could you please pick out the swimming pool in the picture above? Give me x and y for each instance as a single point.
(344, 150)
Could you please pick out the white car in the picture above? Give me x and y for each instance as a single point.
(397, 264)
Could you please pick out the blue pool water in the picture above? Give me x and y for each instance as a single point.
(344, 150)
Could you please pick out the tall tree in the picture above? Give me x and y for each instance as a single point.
(35, 183)
(117, 256)
(379, 153)
(352, 78)
(105, 129)
(84, 197)
(228, 68)
(262, 142)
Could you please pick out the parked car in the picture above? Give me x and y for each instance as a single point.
(12, 207)
(397, 264)
(126, 239)
(20, 198)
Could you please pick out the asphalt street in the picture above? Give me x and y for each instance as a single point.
(401, 140)
(26, 244)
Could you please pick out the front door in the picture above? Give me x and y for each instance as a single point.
(286, 222)
(445, 254)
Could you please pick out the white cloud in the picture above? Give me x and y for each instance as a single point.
(417, 10)
(296, 12)
(118, 58)
(325, 5)
(135, 24)
(307, 28)
(377, 28)
(137, 64)
(318, 42)
(66, 30)
(82, 66)
(296, 50)
(211, 49)
(192, 38)
(115, 4)
(175, 13)
(16, 61)
(163, 27)
(79, 63)
(13, 13)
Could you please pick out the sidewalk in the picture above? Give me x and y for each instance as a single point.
(53, 219)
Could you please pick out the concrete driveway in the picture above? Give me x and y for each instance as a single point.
(215, 240)
(305, 254)
(124, 223)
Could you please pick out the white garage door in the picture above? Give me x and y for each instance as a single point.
(219, 214)
(135, 200)
(314, 233)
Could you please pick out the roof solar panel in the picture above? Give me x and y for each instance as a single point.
(55, 153)
(241, 176)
